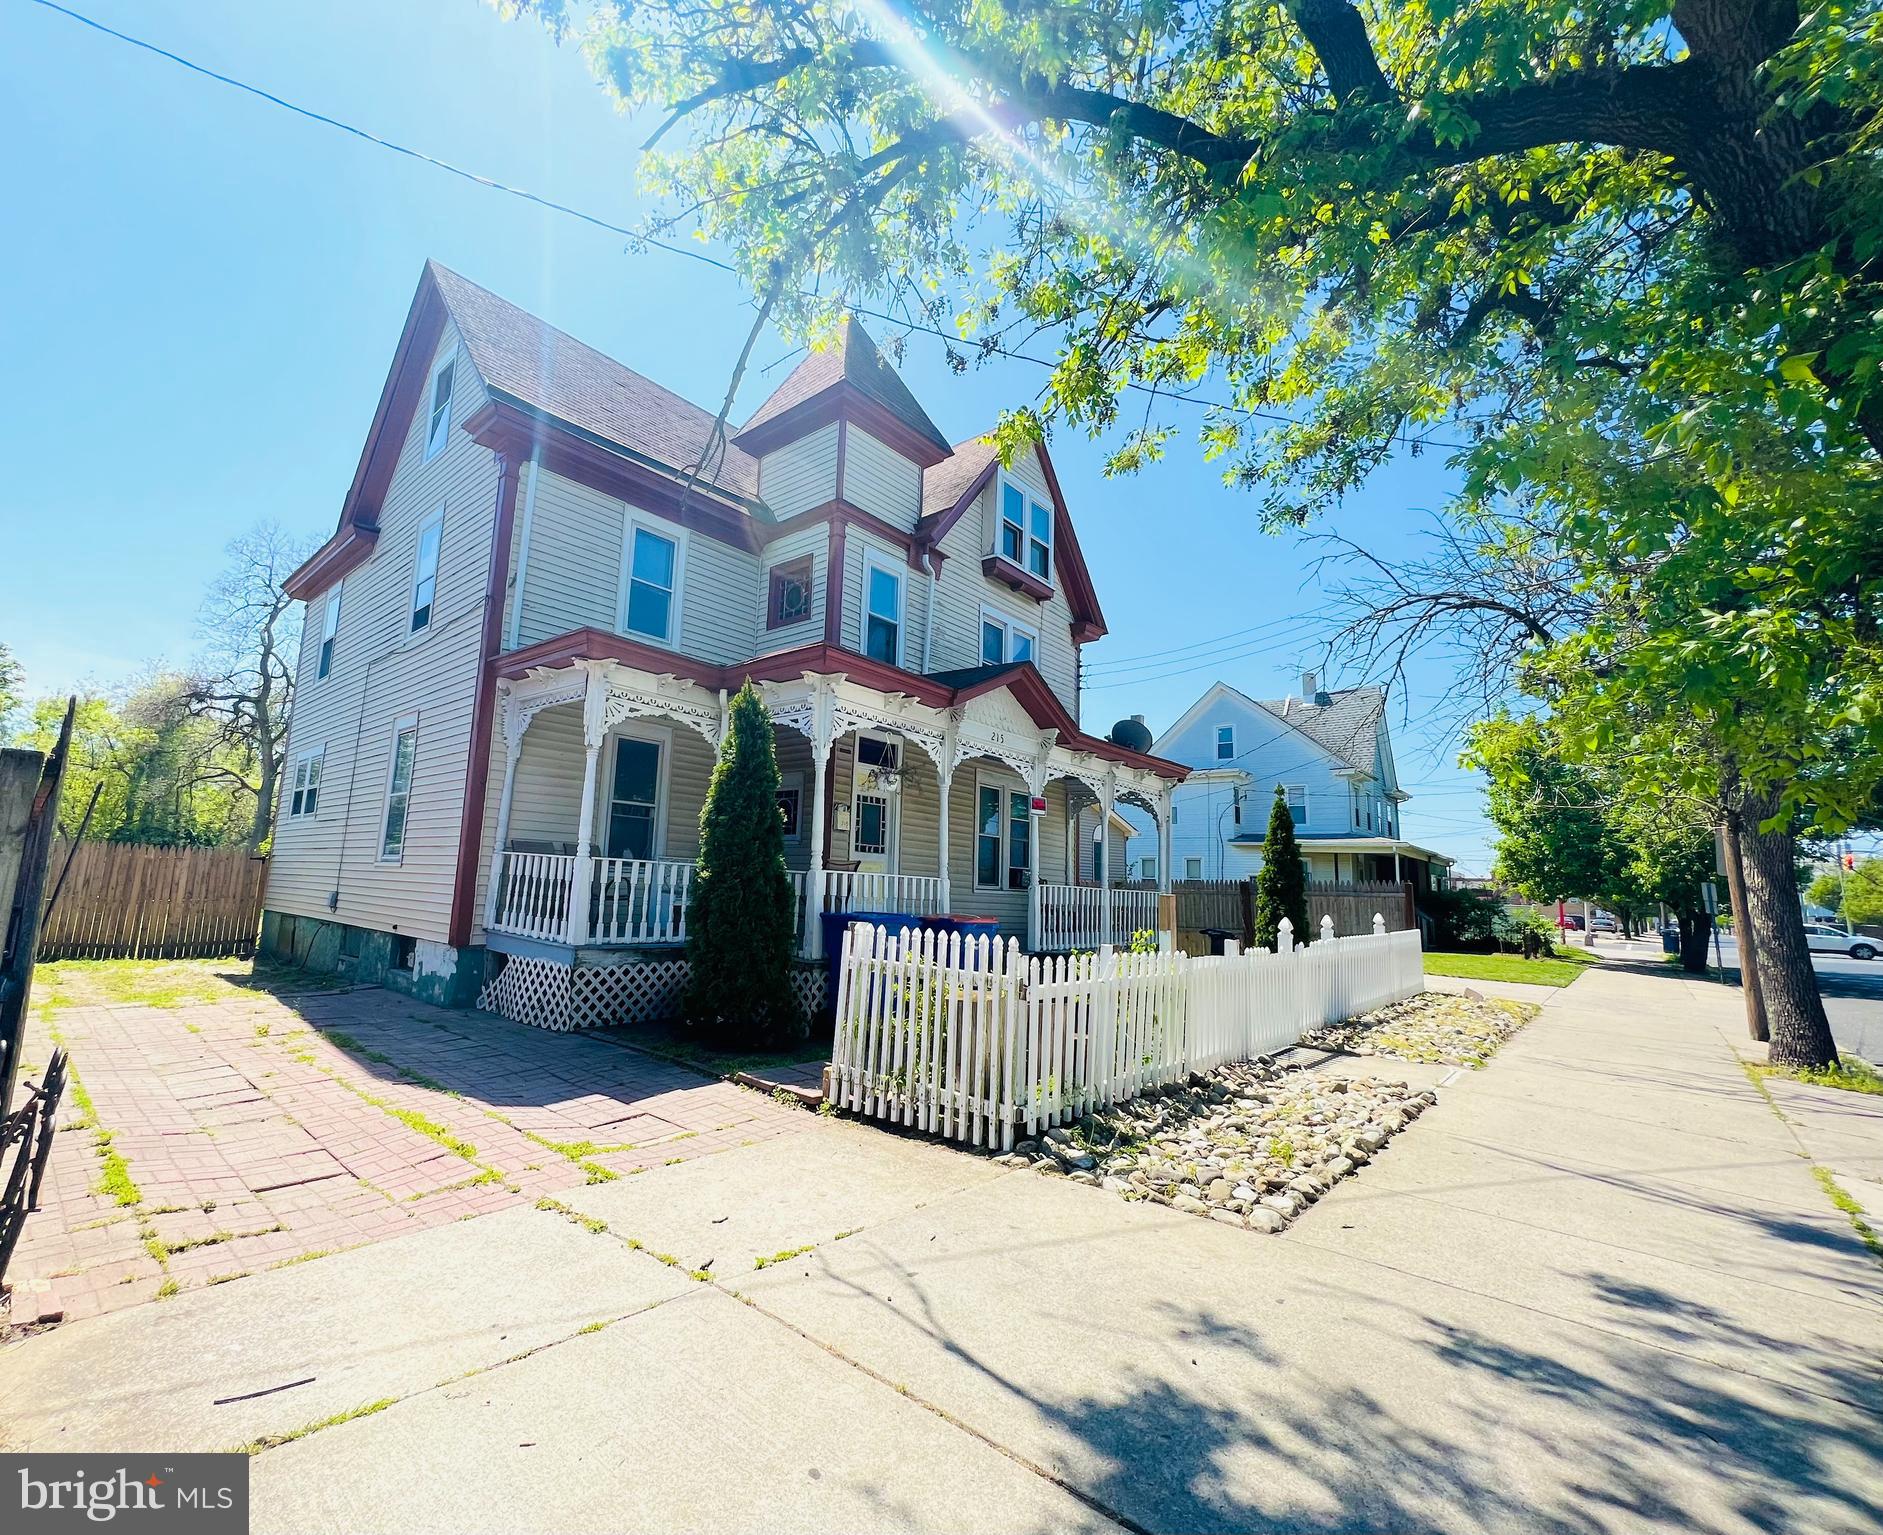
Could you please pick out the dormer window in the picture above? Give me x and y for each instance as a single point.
(1013, 503)
(1021, 553)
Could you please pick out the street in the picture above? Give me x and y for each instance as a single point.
(1853, 997)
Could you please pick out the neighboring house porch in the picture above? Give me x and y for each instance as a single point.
(959, 804)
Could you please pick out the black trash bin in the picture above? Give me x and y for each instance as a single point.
(1218, 936)
(835, 922)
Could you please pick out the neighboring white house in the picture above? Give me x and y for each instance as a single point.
(521, 638)
(1332, 755)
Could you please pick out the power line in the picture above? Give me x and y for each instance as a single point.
(1132, 663)
(640, 237)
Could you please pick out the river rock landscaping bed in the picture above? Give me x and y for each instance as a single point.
(1446, 1028)
(1251, 1144)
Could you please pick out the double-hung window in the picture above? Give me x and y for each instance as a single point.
(882, 612)
(329, 627)
(1012, 523)
(1003, 640)
(653, 584)
(399, 789)
(305, 795)
(1297, 797)
(438, 417)
(431, 535)
(1025, 537)
(1225, 743)
(634, 798)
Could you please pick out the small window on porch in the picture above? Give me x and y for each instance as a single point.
(634, 799)
(872, 828)
(987, 838)
(791, 806)
(1019, 836)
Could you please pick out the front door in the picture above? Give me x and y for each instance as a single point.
(873, 805)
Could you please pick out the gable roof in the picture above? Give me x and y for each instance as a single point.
(950, 487)
(533, 364)
(1342, 724)
(851, 362)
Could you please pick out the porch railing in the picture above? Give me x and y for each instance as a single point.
(533, 895)
(1085, 916)
(916, 895)
(640, 900)
(634, 900)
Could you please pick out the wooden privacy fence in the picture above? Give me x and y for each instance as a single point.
(122, 901)
(1353, 907)
(969, 1038)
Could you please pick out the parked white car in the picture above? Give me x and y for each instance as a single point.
(1825, 939)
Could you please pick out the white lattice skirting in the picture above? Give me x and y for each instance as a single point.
(548, 994)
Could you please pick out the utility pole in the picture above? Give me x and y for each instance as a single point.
(1732, 865)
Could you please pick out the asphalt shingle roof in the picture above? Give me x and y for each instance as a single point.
(1346, 722)
(855, 360)
(530, 360)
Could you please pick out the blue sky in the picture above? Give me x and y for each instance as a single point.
(216, 287)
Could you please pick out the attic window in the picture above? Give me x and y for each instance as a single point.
(438, 421)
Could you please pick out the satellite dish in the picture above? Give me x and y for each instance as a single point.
(1132, 734)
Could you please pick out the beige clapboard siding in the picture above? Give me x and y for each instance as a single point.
(857, 545)
(963, 589)
(718, 621)
(879, 480)
(380, 672)
(800, 475)
(812, 541)
(572, 566)
(572, 574)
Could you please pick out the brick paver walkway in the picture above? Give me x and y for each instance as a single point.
(263, 1131)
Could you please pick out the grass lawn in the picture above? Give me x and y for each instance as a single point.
(1512, 967)
(163, 982)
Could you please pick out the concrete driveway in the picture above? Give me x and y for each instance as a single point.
(1598, 1288)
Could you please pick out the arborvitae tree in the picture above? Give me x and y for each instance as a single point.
(739, 926)
(1281, 889)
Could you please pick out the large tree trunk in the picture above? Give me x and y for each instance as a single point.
(1801, 1034)
(1694, 932)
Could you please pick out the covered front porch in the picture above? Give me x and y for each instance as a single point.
(960, 804)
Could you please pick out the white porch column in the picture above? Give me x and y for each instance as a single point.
(1036, 816)
(515, 723)
(594, 728)
(947, 778)
(821, 720)
(1166, 902)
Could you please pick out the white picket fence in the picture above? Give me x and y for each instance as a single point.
(969, 1038)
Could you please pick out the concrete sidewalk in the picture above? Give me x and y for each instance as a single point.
(1597, 1289)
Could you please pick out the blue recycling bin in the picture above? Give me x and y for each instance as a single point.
(834, 924)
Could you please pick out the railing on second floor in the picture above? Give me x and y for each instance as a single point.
(1085, 916)
(915, 895)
